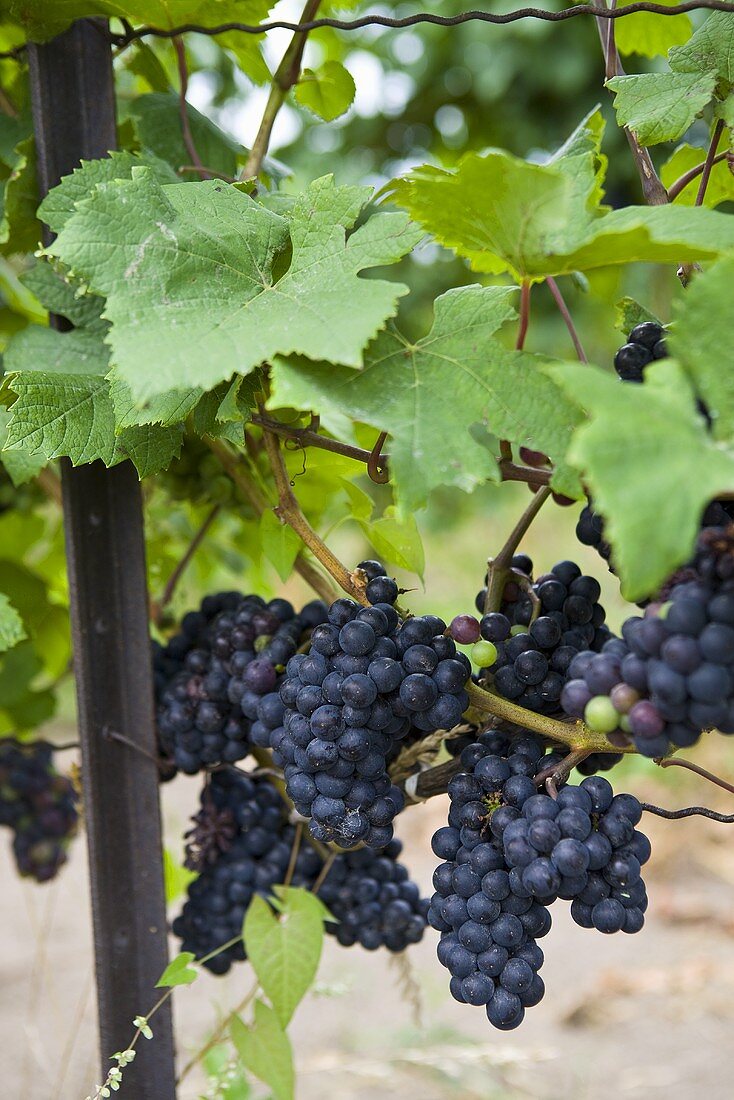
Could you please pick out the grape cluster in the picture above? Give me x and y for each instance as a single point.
(645, 343)
(671, 675)
(373, 899)
(246, 853)
(365, 682)
(489, 922)
(509, 853)
(39, 804)
(242, 844)
(197, 476)
(223, 695)
(531, 661)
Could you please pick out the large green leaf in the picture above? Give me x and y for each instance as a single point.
(650, 34)
(650, 464)
(285, 950)
(702, 338)
(66, 408)
(20, 230)
(60, 203)
(187, 271)
(12, 630)
(433, 396)
(264, 1049)
(547, 220)
(61, 294)
(661, 106)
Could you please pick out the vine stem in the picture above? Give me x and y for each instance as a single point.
(218, 1033)
(652, 186)
(168, 592)
(688, 811)
(561, 771)
(50, 482)
(675, 763)
(682, 182)
(525, 289)
(708, 164)
(286, 75)
(234, 467)
(499, 567)
(565, 313)
(577, 736)
(288, 511)
(188, 137)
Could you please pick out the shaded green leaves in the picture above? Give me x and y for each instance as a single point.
(280, 543)
(327, 91)
(264, 1049)
(158, 127)
(12, 630)
(661, 106)
(650, 34)
(650, 465)
(284, 950)
(432, 394)
(188, 271)
(720, 187)
(176, 877)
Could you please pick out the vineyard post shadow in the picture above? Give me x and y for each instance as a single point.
(74, 118)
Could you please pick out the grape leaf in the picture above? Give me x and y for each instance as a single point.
(62, 295)
(42, 20)
(60, 203)
(280, 543)
(628, 313)
(265, 1050)
(397, 540)
(20, 230)
(652, 35)
(701, 338)
(158, 126)
(661, 106)
(327, 91)
(19, 465)
(67, 410)
(429, 395)
(285, 951)
(650, 465)
(178, 972)
(176, 877)
(12, 630)
(711, 49)
(187, 271)
(720, 187)
(542, 221)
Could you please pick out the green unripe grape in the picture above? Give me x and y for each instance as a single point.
(483, 654)
(624, 723)
(601, 715)
(518, 628)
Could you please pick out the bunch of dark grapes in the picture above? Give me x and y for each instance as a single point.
(671, 675)
(529, 663)
(224, 695)
(365, 682)
(39, 804)
(198, 477)
(250, 858)
(373, 899)
(489, 923)
(509, 852)
(168, 659)
(243, 845)
(645, 343)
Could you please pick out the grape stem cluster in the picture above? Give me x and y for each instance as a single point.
(499, 566)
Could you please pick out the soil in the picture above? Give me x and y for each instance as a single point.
(628, 1017)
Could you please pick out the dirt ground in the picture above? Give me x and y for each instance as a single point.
(635, 1017)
